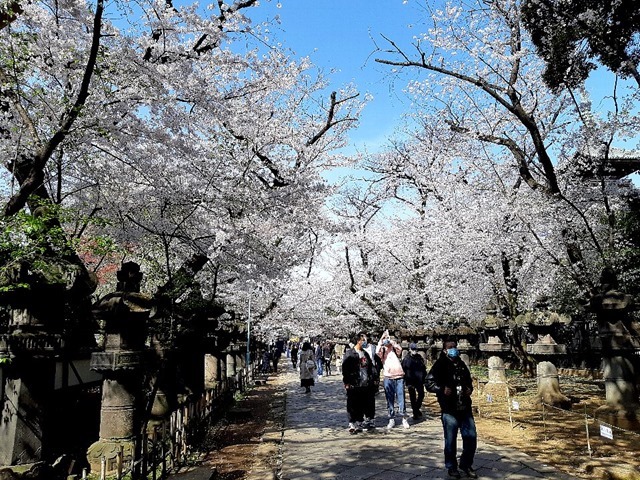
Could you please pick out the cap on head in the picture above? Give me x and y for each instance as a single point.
(413, 346)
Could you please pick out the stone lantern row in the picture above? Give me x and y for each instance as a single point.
(125, 315)
(34, 343)
(618, 343)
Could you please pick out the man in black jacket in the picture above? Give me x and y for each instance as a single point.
(450, 380)
(415, 373)
(357, 376)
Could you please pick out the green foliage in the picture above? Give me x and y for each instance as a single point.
(625, 258)
(25, 235)
(570, 35)
(39, 240)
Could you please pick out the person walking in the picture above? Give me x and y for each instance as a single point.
(339, 351)
(327, 353)
(307, 367)
(294, 354)
(370, 409)
(415, 373)
(450, 379)
(390, 353)
(276, 353)
(318, 357)
(357, 377)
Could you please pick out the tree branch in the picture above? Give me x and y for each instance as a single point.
(35, 177)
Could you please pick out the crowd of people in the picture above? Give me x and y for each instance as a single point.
(362, 363)
(449, 378)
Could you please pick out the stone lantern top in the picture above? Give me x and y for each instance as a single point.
(494, 323)
(125, 313)
(129, 278)
(543, 319)
(608, 296)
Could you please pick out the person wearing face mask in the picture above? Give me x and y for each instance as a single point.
(450, 379)
(415, 373)
(357, 376)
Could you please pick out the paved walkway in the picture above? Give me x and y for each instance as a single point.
(317, 444)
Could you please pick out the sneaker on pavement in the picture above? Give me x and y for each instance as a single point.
(392, 423)
(353, 428)
(358, 426)
(368, 423)
(405, 423)
(454, 473)
(469, 472)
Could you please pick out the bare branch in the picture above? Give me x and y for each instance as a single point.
(330, 118)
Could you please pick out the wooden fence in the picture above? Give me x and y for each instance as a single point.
(168, 445)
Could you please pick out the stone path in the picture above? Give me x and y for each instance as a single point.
(317, 445)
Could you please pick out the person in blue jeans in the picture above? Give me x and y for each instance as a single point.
(390, 354)
(450, 379)
(319, 359)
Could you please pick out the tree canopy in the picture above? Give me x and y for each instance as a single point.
(572, 36)
(165, 133)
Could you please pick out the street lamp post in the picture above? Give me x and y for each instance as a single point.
(249, 333)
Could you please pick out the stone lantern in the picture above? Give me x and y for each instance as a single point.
(465, 336)
(497, 350)
(34, 296)
(124, 315)
(620, 339)
(543, 324)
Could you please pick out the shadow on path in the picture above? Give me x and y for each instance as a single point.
(318, 445)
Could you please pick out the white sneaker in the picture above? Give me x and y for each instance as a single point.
(405, 423)
(358, 426)
(353, 428)
(392, 423)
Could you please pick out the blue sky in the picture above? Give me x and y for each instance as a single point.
(340, 36)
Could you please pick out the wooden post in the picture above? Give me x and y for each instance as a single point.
(154, 451)
(586, 426)
(509, 406)
(145, 454)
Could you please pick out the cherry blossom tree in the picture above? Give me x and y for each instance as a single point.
(479, 64)
(186, 134)
(495, 193)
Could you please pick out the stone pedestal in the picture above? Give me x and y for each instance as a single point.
(547, 374)
(118, 419)
(549, 386)
(222, 367)
(23, 413)
(622, 408)
(497, 385)
(231, 365)
(211, 371)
